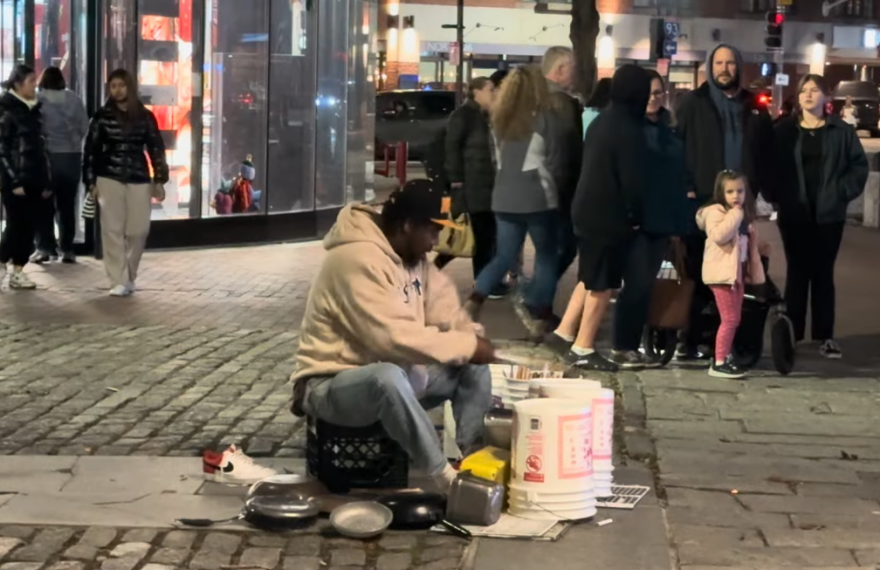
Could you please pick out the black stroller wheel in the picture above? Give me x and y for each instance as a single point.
(659, 344)
(748, 356)
(783, 345)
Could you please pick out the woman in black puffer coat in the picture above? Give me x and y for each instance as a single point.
(116, 172)
(24, 173)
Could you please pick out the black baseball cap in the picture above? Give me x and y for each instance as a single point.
(420, 201)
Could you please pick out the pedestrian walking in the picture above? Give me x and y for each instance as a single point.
(823, 168)
(558, 68)
(731, 260)
(116, 172)
(24, 173)
(607, 211)
(65, 124)
(470, 172)
(666, 213)
(849, 113)
(723, 126)
(528, 142)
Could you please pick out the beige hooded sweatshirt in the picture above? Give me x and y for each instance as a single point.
(366, 307)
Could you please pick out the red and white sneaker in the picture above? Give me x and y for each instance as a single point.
(233, 467)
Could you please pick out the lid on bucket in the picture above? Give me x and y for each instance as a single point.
(576, 383)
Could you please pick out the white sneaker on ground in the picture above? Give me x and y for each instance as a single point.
(233, 467)
(19, 280)
(831, 350)
(120, 291)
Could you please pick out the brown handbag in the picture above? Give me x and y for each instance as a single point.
(672, 292)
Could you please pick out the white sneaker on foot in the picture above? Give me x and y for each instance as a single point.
(233, 467)
(120, 291)
(19, 280)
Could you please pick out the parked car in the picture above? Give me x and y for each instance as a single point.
(865, 98)
(412, 116)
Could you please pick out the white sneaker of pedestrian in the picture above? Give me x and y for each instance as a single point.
(233, 467)
(120, 291)
(19, 280)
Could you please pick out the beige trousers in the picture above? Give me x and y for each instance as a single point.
(125, 225)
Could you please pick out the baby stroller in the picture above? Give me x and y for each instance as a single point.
(759, 303)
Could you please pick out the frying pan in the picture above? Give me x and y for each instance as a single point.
(420, 511)
(268, 513)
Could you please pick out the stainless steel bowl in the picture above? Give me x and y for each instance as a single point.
(363, 519)
(498, 428)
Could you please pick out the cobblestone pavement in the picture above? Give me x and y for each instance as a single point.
(65, 548)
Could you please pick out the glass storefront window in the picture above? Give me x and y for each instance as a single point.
(7, 37)
(236, 106)
(165, 51)
(291, 140)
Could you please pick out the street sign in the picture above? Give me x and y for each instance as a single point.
(672, 29)
(670, 48)
(454, 53)
(782, 79)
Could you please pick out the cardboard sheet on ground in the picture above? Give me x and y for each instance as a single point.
(509, 526)
(624, 497)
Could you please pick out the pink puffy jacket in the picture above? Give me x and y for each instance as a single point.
(722, 247)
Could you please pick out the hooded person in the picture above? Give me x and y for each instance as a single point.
(606, 211)
(724, 127)
(384, 336)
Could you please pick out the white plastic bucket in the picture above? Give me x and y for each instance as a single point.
(520, 495)
(552, 446)
(552, 512)
(536, 386)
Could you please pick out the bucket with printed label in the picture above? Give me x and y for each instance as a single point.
(538, 385)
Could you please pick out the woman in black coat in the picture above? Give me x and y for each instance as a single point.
(24, 173)
(823, 168)
(470, 171)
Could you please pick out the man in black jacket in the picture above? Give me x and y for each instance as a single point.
(606, 211)
(558, 68)
(724, 127)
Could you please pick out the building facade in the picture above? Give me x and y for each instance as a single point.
(502, 33)
(286, 84)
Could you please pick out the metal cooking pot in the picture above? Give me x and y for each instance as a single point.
(420, 511)
(498, 428)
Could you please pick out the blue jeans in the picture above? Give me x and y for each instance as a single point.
(382, 392)
(543, 228)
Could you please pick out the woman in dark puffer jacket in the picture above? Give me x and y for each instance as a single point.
(24, 173)
(116, 172)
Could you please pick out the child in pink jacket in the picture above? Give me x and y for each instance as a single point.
(731, 259)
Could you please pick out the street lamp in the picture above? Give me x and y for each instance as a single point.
(828, 6)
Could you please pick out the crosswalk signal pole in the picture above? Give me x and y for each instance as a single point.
(773, 41)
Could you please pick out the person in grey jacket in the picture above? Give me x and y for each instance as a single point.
(65, 124)
(530, 163)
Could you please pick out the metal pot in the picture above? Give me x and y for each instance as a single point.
(498, 428)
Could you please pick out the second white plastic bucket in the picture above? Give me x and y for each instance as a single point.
(552, 446)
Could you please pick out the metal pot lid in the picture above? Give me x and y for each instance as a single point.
(281, 507)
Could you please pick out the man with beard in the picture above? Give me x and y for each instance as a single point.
(724, 127)
(384, 335)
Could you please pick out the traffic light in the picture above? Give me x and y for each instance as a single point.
(773, 39)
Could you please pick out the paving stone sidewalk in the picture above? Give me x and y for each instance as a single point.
(766, 474)
(100, 548)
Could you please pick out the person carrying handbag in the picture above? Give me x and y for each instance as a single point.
(470, 172)
(117, 175)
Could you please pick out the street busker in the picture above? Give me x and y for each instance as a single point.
(384, 335)
(822, 168)
(529, 142)
(723, 126)
(730, 261)
(607, 211)
(24, 173)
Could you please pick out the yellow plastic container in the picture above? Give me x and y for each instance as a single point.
(492, 463)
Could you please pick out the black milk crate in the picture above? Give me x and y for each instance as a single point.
(355, 458)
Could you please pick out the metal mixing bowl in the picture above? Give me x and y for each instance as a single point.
(363, 519)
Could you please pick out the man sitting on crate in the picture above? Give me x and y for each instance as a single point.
(384, 336)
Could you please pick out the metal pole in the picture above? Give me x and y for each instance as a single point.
(459, 39)
(779, 60)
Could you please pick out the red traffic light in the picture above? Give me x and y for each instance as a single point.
(764, 99)
(775, 18)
